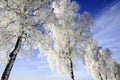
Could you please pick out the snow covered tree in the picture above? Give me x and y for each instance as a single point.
(98, 61)
(22, 28)
(67, 31)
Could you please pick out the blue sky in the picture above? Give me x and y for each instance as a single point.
(106, 14)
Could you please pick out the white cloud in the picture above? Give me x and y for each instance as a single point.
(107, 30)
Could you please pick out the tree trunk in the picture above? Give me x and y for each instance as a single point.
(100, 76)
(12, 58)
(71, 70)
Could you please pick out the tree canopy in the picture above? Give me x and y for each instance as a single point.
(24, 16)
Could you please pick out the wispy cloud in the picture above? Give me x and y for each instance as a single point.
(107, 30)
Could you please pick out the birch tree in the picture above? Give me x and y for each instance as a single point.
(98, 61)
(67, 31)
(22, 28)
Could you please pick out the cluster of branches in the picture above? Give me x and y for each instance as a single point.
(98, 61)
(58, 30)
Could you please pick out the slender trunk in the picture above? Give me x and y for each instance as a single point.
(100, 76)
(71, 70)
(12, 58)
